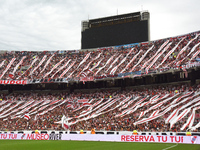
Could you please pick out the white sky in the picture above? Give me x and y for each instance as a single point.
(56, 24)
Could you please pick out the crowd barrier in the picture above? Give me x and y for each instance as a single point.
(102, 137)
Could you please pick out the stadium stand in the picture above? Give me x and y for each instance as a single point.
(165, 54)
(153, 108)
(147, 109)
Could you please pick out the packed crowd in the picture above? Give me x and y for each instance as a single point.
(161, 108)
(156, 55)
(143, 109)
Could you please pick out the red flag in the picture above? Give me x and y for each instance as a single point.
(11, 75)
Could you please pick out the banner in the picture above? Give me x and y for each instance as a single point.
(86, 79)
(13, 81)
(98, 137)
(129, 73)
(83, 100)
(34, 81)
(58, 80)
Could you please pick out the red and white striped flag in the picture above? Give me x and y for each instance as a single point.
(84, 74)
(16, 67)
(195, 55)
(170, 52)
(65, 123)
(179, 117)
(66, 70)
(108, 61)
(161, 47)
(157, 56)
(43, 59)
(54, 67)
(8, 66)
(192, 50)
(190, 121)
(85, 68)
(48, 61)
(86, 57)
(114, 62)
(97, 56)
(70, 106)
(2, 63)
(172, 115)
(29, 67)
(131, 61)
(87, 104)
(27, 116)
(153, 117)
(123, 60)
(154, 113)
(185, 47)
(142, 58)
(61, 68)
(97, 64)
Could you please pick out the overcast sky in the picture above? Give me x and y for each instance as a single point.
(56, 24)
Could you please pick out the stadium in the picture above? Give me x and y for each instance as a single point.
(103, 94)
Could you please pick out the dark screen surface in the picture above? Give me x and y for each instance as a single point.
(118, 34)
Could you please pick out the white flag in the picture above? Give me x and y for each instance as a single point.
(65, 123)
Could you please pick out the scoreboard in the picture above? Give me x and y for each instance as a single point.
(115, 30)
